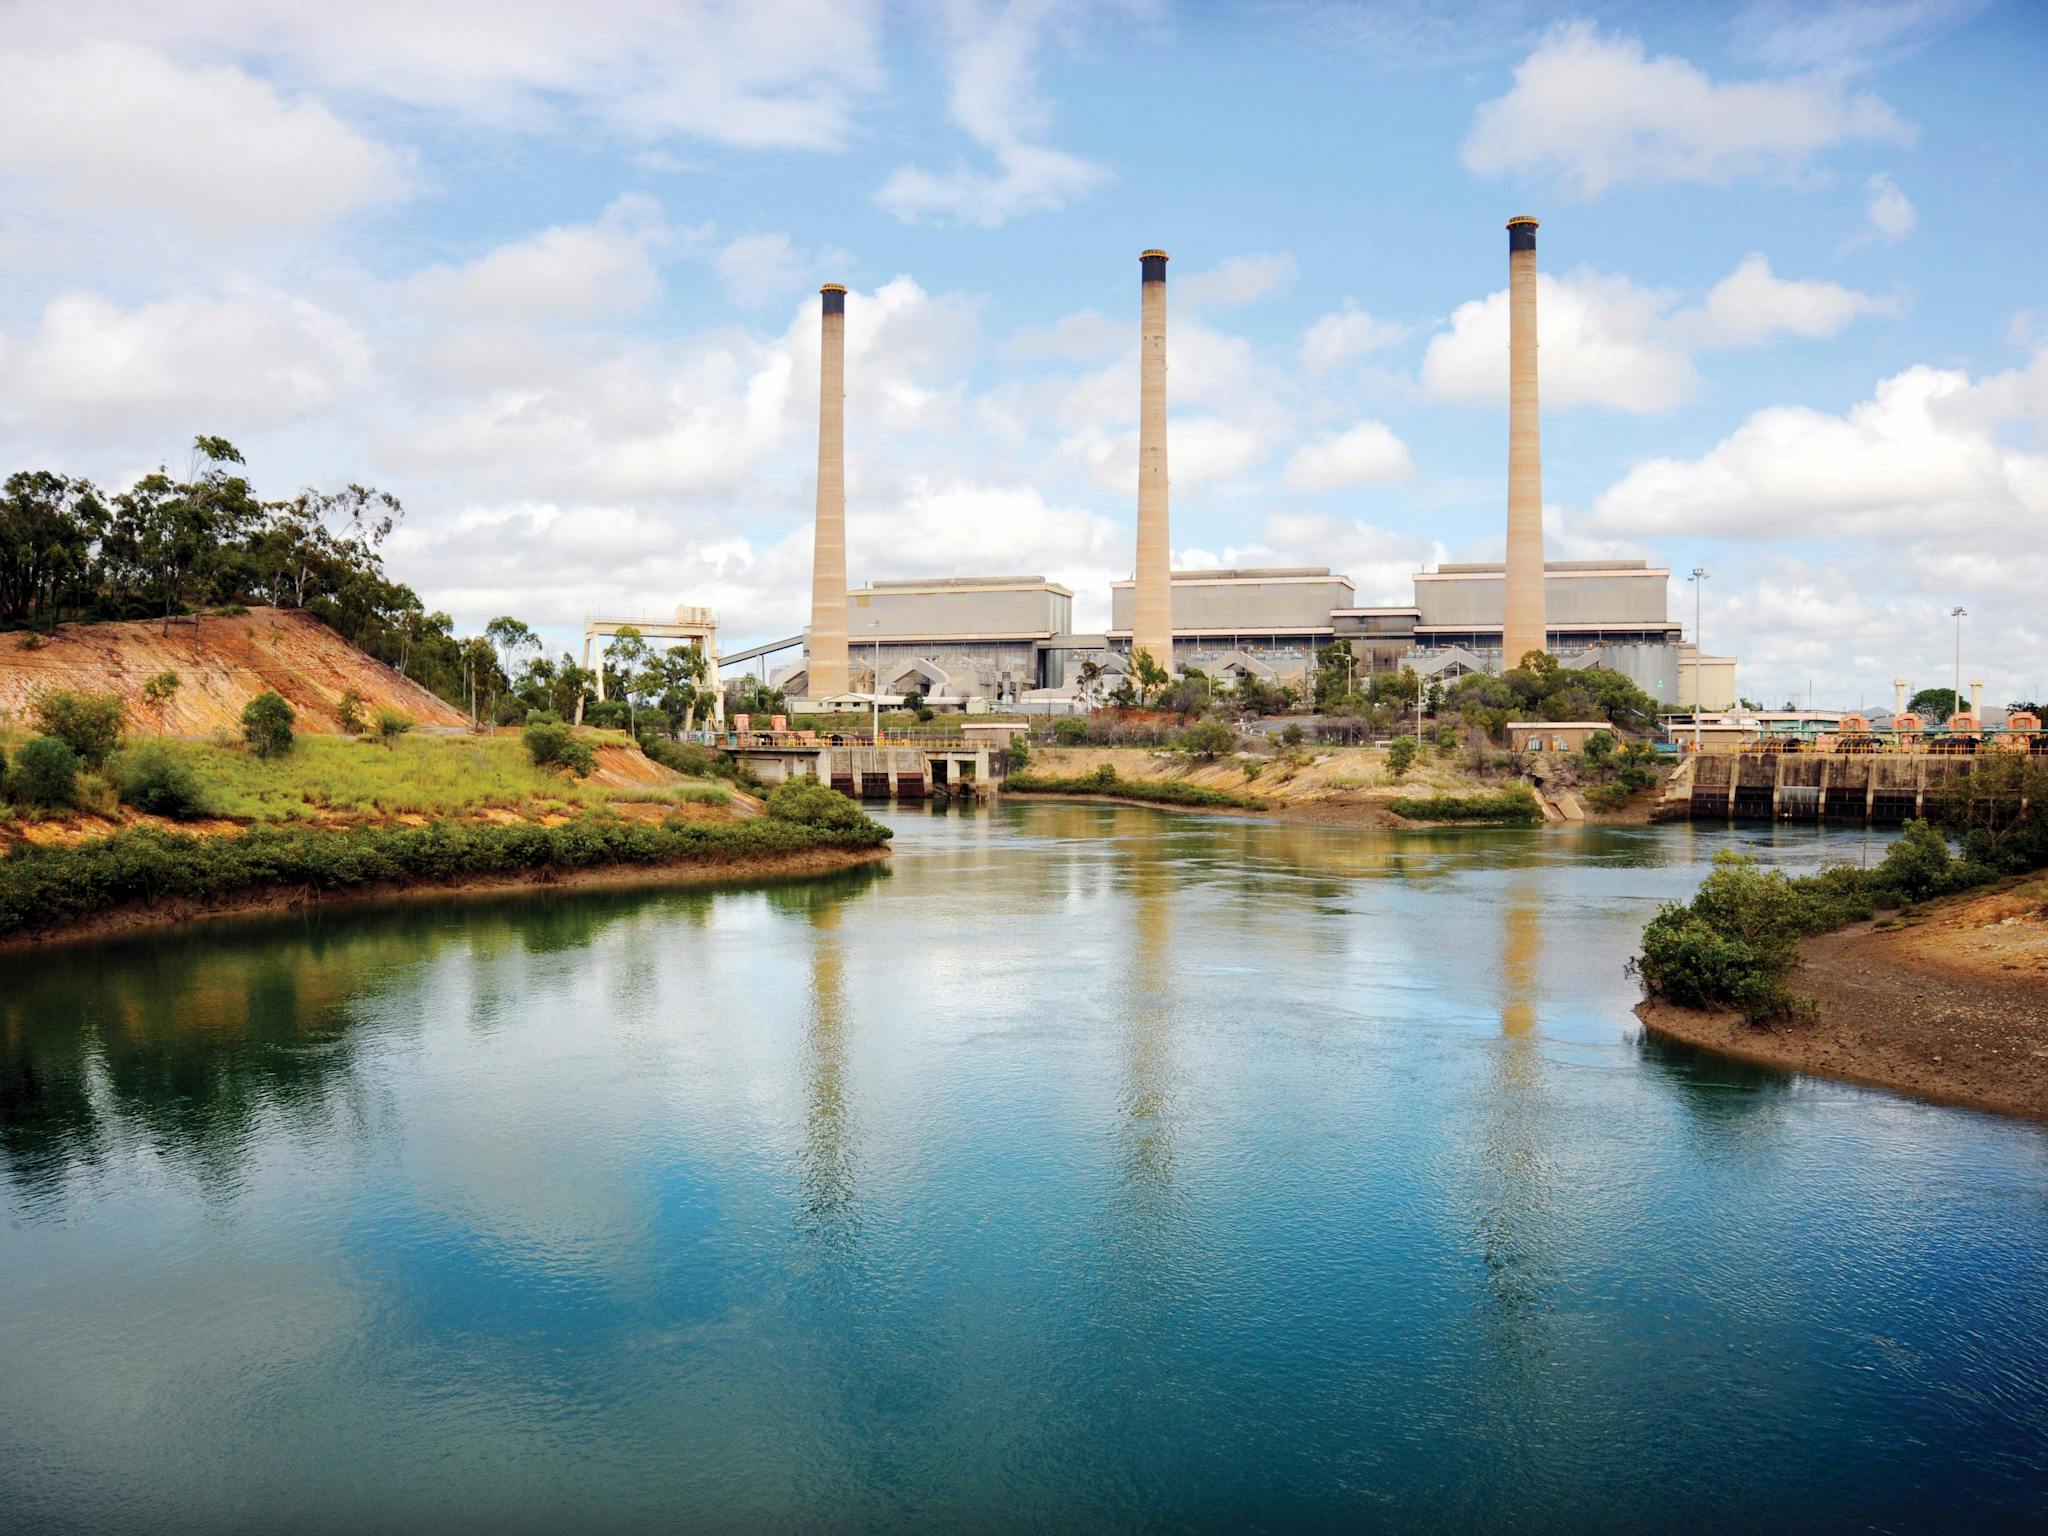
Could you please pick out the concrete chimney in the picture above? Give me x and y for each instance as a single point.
(1977, 699)
(1898, 695)
(826, 663)
(1152, 609)
(1524, 625)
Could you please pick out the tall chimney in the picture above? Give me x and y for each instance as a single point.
(1524, 627)
(1977, 699)
(1152, 611)
(826, 664)
(1898, 695)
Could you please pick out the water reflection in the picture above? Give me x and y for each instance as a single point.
(1146, 1082)
(827, 1194)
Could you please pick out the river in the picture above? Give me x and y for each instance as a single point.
(1086, 1168)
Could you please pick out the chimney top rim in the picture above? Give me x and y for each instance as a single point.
(833, 288)
(1147, 255)
(1522, 218)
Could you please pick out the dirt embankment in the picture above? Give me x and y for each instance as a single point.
(1326, 786)
(1951, 1005)
(222, 662)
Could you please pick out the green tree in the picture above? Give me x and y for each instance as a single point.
(1401, 755)
(48, 527)
(625, 661)
(90, 724)
(1335, 669)
(349, 714)
(44, 773)
(1147, 676)
(1934, 703)
(158, 692)
(392, 724)
(267, 724)
(1208, 739)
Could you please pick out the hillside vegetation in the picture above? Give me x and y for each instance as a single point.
(220, 663)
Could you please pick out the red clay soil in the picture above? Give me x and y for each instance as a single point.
(222, 663)
(1952, 1007)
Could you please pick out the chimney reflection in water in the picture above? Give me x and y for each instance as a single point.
(826, 1193)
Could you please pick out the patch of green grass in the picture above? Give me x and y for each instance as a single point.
(1105, 781)
(45, 887)
(1515, 806)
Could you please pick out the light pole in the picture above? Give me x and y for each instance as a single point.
(1958, 614)
(1698, 578)
(875, 689)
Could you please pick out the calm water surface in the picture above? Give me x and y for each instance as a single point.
(1086, 1169)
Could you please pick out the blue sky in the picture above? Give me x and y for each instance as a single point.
(552, 281)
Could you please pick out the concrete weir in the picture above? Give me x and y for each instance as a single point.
(1795, 786)
(891, 771)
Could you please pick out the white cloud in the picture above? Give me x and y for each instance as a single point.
(1608, 342)
(259, 355)
(760, 269)
(1080, 337)
(784, 74)
(1237, 280)
(1750, 305)
(1338, 337)
(1596, 112)
(1844, 34)
(992, 53)
(105, 127)
(1363, 455)
(569, 271)
(1924, 456)
(1892, 217)
(1602, 340)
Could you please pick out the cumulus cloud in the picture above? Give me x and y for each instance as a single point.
(1609, 342)
(1363, 455)
(568, 271)
(1892, 217)
(785, 74)
(1337, 338)
(252, 356)
(1751, 305)
(761, 269)
(1237, 280)
(992, 56)
(1603, 344)
(103, 127)
(1596, 112)
(1924, 455)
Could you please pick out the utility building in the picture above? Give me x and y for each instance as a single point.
(1274, 616)
(952, 639)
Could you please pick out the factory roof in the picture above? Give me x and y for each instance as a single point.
(958, 583)
(1449, 571)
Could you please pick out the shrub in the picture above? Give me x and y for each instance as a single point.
(349, 714)
(267, 724)
(1513, 806)
(1070, 731)
(1104, 781)
(609, 715)
(806, 801)
(90, 724)
(1599, 747)
(1207, 739)
(1292, 734)
(552, 744)
(155, 782)
(41, 887)
(1401, 755)
(509, 710)
(1018, 755)
(1608, 797)
(392, 724)
(1918, 865)
(45, 773)
(1447, 739)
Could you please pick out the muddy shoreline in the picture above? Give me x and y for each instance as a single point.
(1951, 1007)
(138, 917)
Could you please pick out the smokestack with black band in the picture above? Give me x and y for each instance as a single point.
(826, 664)
(1152, 609)
(1523, 623)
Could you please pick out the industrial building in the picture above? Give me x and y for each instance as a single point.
(1222, 619)
(954, 640)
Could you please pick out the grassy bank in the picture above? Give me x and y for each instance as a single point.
(1735, 943)
(1106, 781)
(44, 888)
(1515, 807)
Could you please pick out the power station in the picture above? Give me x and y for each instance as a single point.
(976, 640)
